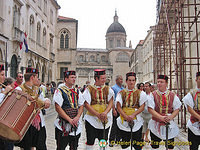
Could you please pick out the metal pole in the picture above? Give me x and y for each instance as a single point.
(131, 124)
(75, 144)
(166, 143)
(104, 132)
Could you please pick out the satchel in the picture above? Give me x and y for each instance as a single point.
(71, 112)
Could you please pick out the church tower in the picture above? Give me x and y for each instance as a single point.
(115, 35)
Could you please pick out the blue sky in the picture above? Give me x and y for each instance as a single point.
(95, 16)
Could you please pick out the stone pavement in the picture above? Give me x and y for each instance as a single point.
(51, 143)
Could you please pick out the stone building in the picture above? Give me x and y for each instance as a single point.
(142, 59)
(52, 43)
(136, 61)
(148, 75)
(115, 58)
(18, 17)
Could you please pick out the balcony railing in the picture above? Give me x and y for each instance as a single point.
(17, 34)
(52, 57)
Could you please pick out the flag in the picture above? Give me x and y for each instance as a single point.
(23, 44)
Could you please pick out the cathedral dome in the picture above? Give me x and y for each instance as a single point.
(116, 26)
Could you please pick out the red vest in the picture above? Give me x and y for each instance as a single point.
(99, 95)
(163, 103)
(130, 98)
(196, 99)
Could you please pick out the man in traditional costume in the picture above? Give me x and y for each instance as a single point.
(130, 103)
(4, 145)
(98, 102)
(69, 106)
(3, 90)
(164, 105)
(192, 103)
(36, 134)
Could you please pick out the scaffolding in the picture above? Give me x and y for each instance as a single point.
(176, 46)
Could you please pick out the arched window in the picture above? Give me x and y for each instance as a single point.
(111, 43)
(61, 41)
(92, 58)
(14, 66)
(122, 57)
(30, 63)
(64, 39)
(31, 33)
(45, 6)
(83, 73)
(38, 68)
(81, 58)
(118, 43)
(38, 32)
(43, 73)
(44, 37)
(103, 58)
(16, 16)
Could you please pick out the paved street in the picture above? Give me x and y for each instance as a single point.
(51, 144)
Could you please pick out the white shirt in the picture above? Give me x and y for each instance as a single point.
(58, 99)
(146, 104)
(94, 120)
(1, 95)
(188, 101)
(173, 130)
(60, 85)
(42, 98)
(138, 122)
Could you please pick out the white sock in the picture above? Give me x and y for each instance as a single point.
(89, 147)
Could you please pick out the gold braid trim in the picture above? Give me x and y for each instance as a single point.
(34, 93)
(196, 103)
(68, 92)
(167, 102)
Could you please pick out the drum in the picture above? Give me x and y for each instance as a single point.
(17, 111)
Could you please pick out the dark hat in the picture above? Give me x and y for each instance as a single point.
(99, 71)
(163, 77)
(31, 70)
(130, 74)
(70, 72)
(197, 74)
(1, 67)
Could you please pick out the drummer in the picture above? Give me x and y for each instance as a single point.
(3, 90)
(36, 134)
(4, 145)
